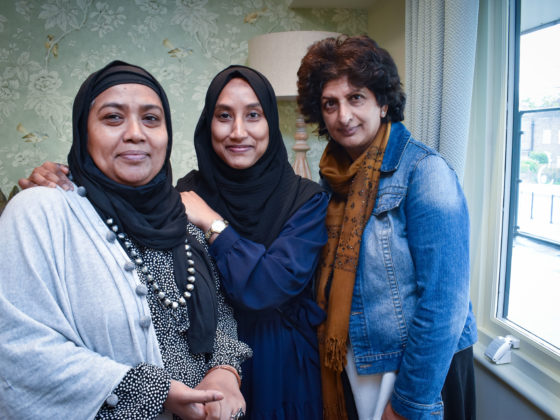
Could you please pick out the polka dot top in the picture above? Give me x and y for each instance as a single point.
(143, 390)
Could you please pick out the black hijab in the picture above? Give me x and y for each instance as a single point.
(152, 214)
(256, 201)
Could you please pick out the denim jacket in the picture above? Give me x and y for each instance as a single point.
(410, 308)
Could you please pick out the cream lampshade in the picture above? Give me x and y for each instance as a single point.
(278, 56)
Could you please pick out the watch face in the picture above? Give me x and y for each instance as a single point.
(218, 226)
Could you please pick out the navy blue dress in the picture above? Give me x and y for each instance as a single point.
(271, 292)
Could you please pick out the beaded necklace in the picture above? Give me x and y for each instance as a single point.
(138, 262)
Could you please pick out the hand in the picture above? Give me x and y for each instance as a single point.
(390, 414)
(49, 174)
(226, 382)
(198, 212)
(188, 403)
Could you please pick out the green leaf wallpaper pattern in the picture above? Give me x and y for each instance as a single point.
(48, 47)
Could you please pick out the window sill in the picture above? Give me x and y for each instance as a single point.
(538, 387)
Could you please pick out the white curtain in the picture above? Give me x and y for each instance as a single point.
(484, 171)
(440, 52)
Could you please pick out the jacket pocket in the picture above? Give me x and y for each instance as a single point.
(388, 198)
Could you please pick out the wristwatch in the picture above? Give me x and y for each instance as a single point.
(217, 226)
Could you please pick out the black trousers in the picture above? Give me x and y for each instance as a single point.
(458, 393)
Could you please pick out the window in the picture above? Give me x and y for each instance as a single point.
(546, 136)
(514, 250)
(531, 280)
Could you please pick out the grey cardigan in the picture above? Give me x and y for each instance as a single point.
(71, 322)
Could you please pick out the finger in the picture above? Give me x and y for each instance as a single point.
(213, 410)
(64, 168)
(42, 179)
(46, 168)
(25, 183)
(200, 396)
(49, 178)
(58, 174)
(62, 174)
(52, 166)
(195, 411)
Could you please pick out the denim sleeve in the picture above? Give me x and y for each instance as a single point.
(256, 277)
(438, 237)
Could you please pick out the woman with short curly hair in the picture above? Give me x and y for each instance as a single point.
(394, 275)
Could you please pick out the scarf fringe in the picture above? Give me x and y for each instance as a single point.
(335, 354)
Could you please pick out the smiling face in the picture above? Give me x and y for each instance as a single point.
(127, 134)
(239, 127)
(352, 115)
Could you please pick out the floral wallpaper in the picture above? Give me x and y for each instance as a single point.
(48, 47)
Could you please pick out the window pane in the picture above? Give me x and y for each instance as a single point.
(538, 209)
(533, 284)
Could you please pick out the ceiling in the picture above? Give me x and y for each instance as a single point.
(344, 4)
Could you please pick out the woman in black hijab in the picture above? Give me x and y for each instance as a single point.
(265, 226)
(129, 320)
(265, 229)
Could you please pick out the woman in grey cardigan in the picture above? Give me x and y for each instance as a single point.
(109, 303)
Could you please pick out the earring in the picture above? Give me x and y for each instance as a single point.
(382, 114)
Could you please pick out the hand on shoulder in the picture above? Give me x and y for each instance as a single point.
(49, 174)
(198, 212)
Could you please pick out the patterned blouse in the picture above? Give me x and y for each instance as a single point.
(143, 390)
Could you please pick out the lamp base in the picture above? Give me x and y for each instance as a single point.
(301, 166)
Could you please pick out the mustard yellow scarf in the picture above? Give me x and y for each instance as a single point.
(354, 185)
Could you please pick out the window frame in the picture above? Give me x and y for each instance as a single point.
(511, 188)
(534, 370)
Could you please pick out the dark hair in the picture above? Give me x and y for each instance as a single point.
(361, 60)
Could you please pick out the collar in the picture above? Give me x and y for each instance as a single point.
(398, 140)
